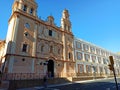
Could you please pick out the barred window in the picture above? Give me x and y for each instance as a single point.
(94, 58)
(86, 47)
(99, 60)
(80, 68)
(79, 56)
(92, 49)
(78, 45)
(87, 57)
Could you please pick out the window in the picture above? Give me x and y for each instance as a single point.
(89, 68)
(24, 48)
(69, 55)
(95, 68)
(26, 34)
(50, 32)
(87, 57)
(23, 59)
(25, 8)
(81, 68)
(98, 51)
(99, 60)
(102, 53)
(92, 49)
(79, 56)
(86, 47)
(104, 61)
(31, 11)
(78, 45)
(94, 58)
(42, 48)
(106, 71)
(27, 25)
(101, 69)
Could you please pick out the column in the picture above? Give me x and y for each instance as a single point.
(64, 71)
(34, 47)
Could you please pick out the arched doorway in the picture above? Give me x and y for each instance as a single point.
(50, 68)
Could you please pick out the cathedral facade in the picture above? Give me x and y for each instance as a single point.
(37, 46)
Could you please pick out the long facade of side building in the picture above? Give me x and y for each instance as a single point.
(92, 60)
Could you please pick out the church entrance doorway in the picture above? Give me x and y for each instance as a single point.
(50, 68)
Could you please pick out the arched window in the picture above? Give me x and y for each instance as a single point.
(42, 48)
(25, 8)
(24, 47)
(31, 11)
(69, 55)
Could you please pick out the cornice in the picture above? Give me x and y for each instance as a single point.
(35, 57)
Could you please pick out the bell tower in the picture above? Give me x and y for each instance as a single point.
(21, 36)
(26, 6)
(65, 22)
(68, 51)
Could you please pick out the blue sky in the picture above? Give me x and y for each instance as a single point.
(96, 21)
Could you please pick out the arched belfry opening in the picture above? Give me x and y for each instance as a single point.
(50, 68)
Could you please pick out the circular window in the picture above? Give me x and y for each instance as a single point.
(23, 59)
(27, 25)
(26, 34)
